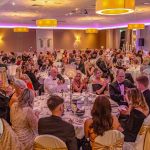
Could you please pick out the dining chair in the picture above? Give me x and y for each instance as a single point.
(49, 142)
(111, 140)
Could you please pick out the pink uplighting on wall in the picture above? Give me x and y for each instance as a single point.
(74, 27)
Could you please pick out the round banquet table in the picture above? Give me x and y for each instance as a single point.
(87, 99)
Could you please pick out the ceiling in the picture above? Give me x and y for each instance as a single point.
(69, 13)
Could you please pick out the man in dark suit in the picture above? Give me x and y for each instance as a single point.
(54, 125)
(118, 88)
(33, 78)
(142, 85)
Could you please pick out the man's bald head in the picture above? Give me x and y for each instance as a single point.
(54, 72)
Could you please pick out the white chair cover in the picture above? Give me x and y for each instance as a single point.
(141, 140)
(49, 142)
(1, 128)
(111, 140)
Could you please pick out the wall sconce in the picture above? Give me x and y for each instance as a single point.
(1, 39)
(77, 41)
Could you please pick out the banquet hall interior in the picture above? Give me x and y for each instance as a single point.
(74, 74)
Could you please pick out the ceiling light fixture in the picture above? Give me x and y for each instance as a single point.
(117, 7)
(46, 23)
(91, 30)
(21, 29)
(136, 26)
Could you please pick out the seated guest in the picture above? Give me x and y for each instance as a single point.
(19, 86)
(18, 61)
(2, 64)
(102, 119)
(46, 65)
(102, 65)
(89, 69)
(62, 86)
(54, 125)
(145, 65)
(8, 138)
(129, 77)
(143, 86)
(118, 88)
(24, 120)
(78, 85)
(137, 111)
(99, 85)
(27, 80)
(80, 65)
(33, 78)
(53, 81)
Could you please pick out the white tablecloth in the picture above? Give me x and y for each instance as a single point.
(40, 104)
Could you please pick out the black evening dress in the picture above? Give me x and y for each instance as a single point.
(133, 125)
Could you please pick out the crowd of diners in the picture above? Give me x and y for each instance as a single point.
(100, 71)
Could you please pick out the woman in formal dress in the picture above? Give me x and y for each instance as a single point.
(102, 119)
(137, 111)
(99, 84)
(24, 120)
(89, 69)
(8, 138)
(78, 84)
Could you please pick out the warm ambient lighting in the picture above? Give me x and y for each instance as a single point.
(136, 26)
(91, 30)
(46, 23)
(21, 29)
(70, 71)
(117, 7)
(1, 39)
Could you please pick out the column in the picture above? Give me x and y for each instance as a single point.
(44, 40)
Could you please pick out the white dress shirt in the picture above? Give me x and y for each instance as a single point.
(62, 88)
(50, 85)
(122, 89)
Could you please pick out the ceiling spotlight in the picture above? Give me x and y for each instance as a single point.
(13, 3)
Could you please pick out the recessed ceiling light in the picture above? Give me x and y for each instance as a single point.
(13, 3)
(146, 3)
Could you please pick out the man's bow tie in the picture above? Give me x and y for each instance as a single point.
(122, 83)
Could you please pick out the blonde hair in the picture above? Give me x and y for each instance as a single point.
(25, 77)
(26, 98)
(20, 84)
(137, 98)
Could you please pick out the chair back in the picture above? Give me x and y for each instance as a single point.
(1, 127)
(49, 142)
(111, 140)
(143, 139)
